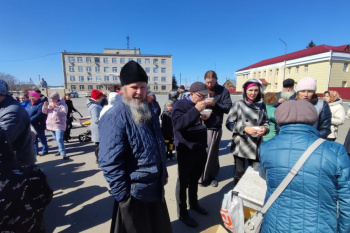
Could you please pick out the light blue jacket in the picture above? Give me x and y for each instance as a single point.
(94, 108)
(309, 203)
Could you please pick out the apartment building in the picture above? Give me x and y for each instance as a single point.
(328, 65)
(87, 71)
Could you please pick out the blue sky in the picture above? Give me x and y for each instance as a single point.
(222, 35)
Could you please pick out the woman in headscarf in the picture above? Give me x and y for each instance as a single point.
(338, 112)
(249, 122)
(113, 98)
(56, 112)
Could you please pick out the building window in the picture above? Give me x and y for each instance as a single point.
(155, 70)
(71, 59)
(147, 61)
(97, 69)
(130, 59)
(163, 70)
(155, 87)
(73, 87)
(276, 85)
(81, 87)
(71, 68)
(81, 78)
(155, 79)
(80, 68)
(80, 59)
(90, 87)
(155, 61)
(344, 84)
(72, 78)
(88, 68)
(114, 69)
(147, 70)
(97, 59)
(114, 60)
(139, 60)
(163, 87)
(306, 69)
(98, 87)
(277, 71)
(105, 60)
(163, 61)
(106, 78)
(297, 70)
(115, 78)
(106, 69)
(122, 60)
(289, 70)
(270, 73)
(346, 67)
(88, 59)
(98, 78)
(89, 78)
(163, 79)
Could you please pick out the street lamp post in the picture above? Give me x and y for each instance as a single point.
(285, 44)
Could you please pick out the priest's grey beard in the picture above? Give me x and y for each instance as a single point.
(287, 94)
(140, 112)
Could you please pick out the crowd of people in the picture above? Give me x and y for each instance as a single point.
(134, 139)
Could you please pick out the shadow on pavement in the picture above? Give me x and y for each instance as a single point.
(213, 204)
(84, 218)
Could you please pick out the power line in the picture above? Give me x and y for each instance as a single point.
(30, 58)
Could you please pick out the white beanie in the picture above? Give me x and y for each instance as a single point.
(306, 84)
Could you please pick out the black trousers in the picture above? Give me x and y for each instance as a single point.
(240, 168)
(97, 144)
(190, 168)
(135, 216)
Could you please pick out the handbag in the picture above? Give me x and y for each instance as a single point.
(253, 224)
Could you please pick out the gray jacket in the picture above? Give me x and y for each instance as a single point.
(14, 120)
(94, 108)
(244, 113)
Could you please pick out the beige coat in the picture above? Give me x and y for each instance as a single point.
(338, 117)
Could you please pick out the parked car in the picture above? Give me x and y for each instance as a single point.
(74, 94)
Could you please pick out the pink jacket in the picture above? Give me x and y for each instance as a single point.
(56, 116)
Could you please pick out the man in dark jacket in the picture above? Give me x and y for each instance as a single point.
(14, 121)
(190, 136)
(132, 157)
(287, 93)
(220, 104)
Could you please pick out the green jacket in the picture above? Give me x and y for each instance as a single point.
(272, 123)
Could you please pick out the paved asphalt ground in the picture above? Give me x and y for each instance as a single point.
(81, 201)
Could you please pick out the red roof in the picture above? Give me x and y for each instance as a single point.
(299, 54)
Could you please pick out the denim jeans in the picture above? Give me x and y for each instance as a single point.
(58, 136)
(42, 138)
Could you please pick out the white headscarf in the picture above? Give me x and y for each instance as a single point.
(113, 98)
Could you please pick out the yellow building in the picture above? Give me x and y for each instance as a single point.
(328, 65)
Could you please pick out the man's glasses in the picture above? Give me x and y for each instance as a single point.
(200, 96)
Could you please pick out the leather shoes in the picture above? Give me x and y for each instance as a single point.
(188, 220)
(64, 157)
(214, 183)
(199, 209)
(42, 154)
(57, 154)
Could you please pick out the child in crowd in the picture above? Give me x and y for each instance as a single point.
(167, 129)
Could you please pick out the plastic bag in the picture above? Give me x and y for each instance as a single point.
(232, 212)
